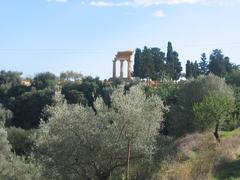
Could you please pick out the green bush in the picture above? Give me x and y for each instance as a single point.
(234, 78)
(212, 112)
(13, 167)
(180, 119)
(22, 141)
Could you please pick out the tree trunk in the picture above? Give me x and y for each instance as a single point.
(216, 132)
(128, 161)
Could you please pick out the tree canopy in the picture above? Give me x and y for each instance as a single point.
(92, 146)
(180, 118)
(152, 63)
(219, 64)
(213, 111)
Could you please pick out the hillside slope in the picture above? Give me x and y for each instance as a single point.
(200, 156)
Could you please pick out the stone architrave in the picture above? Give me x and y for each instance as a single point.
(123, 56)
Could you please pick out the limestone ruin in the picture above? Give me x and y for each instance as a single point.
(123, 56)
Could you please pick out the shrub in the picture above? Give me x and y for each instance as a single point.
(22, 141)
(180, 119)
(13, 167)
(212, 112)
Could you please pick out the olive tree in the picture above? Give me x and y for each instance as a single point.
(13, 167)
(213, 111)
(77, 143)
(5, 115)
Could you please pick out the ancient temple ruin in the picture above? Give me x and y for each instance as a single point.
(123, 56)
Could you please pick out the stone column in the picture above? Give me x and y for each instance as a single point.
(121, 70)
(114, 69)
(129, 69)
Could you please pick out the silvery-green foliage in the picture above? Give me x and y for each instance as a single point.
(4, 115)
(4, 145)
(138, 117)
(76, 143)
(13, 167)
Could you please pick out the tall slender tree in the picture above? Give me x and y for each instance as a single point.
(188, 69)
(203, 64)
(192, 69)
(173, 65)
(177, 67)
(137, 59)
(146, 64)
(169, 60)
(159, 63)
(195, 69)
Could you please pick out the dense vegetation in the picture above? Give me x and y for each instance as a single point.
(77, 127)
(154, 64)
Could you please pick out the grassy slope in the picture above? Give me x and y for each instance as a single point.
(229, 170)
(199, 156)
(229, 134)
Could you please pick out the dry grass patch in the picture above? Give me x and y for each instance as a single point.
(200, 156)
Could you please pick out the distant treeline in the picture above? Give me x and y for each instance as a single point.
(26, 97)
(157, 65)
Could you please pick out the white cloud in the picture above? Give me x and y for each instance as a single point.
(168, 2)
(175, 2)
(158, 13)
(57, 1)
(146, 3)
(109, 4)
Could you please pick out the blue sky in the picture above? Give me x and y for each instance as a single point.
(84, 35)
